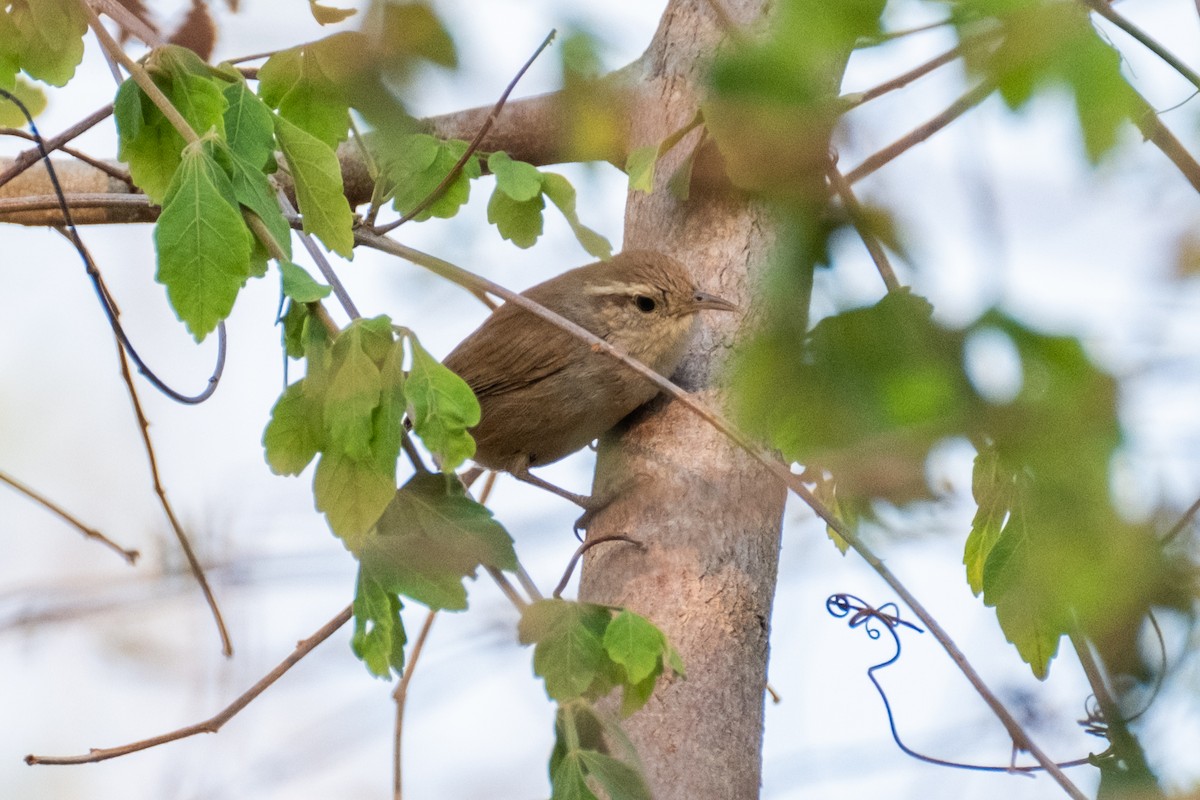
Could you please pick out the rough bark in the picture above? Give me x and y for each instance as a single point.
(709, 517)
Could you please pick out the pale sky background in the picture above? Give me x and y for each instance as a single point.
(99, 654)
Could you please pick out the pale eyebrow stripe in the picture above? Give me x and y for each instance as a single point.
(622, 288)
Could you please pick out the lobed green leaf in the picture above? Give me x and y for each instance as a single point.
(203, 245)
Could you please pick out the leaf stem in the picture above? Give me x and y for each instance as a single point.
(140, 76)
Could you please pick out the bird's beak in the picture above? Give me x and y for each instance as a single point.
(704, 300)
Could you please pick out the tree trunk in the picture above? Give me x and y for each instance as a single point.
(709, 518)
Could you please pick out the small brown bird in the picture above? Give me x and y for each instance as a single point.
(544, 393)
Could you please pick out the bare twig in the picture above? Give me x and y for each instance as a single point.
(473, 146)
(1153, 128)
(111, 170)
(583, 548)
(956, 109)
(1180, 526)
(1146, 40)
(129, 555)
(401, 695)
(842, 187)
(159, 490)
(777, 468)
(29, 157)
(213, 723)
(904, 79)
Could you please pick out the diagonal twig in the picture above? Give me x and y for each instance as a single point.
(401, 696)
(130, 556)
(215, 722)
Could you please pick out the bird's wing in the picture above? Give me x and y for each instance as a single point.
(509, 352)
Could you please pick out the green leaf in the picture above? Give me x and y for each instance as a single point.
(517, 179)
(318, 177)
(293, 436)
(253, 190)
(379, 635)
(203, 245)
(992, 487)
(570, 652)
(1033, 625)
(568, 780)
(562, 194)
(412, 31)
(329, 15)
(33, 98)
(635, 643)
(249, 127)
(148, 143)
(306, 84)
(48, 38)
(640, 168)
(293, 322)
(519, 222)
(352, 493)
(351, 397)
(870, 391)
(431, 536)
(442, 408)
(620, 780)
(418, 164)
(1045, 45)
(299, 285)
(10, 52)
(636, 695)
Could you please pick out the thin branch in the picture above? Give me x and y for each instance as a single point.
(777, 468)
(507, 588)
(889, 36)
(583, 548)
(401, 695)
(1187, 517)
(1146, 40)
(111, 170)
(857, 99)
(46, 202)
(130, 556)
(855, 210)
(1156, 131)
(140, 76)
(28, 158)
(184, 543)
(473, 146)
(959, 107)
(215, 722)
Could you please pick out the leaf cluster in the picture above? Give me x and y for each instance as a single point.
(583, 651)
(873, 390)
(349, 409)
(415, 165)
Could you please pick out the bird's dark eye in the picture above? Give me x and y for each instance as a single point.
(645, 304)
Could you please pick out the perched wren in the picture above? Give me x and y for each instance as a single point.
(544, 393)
